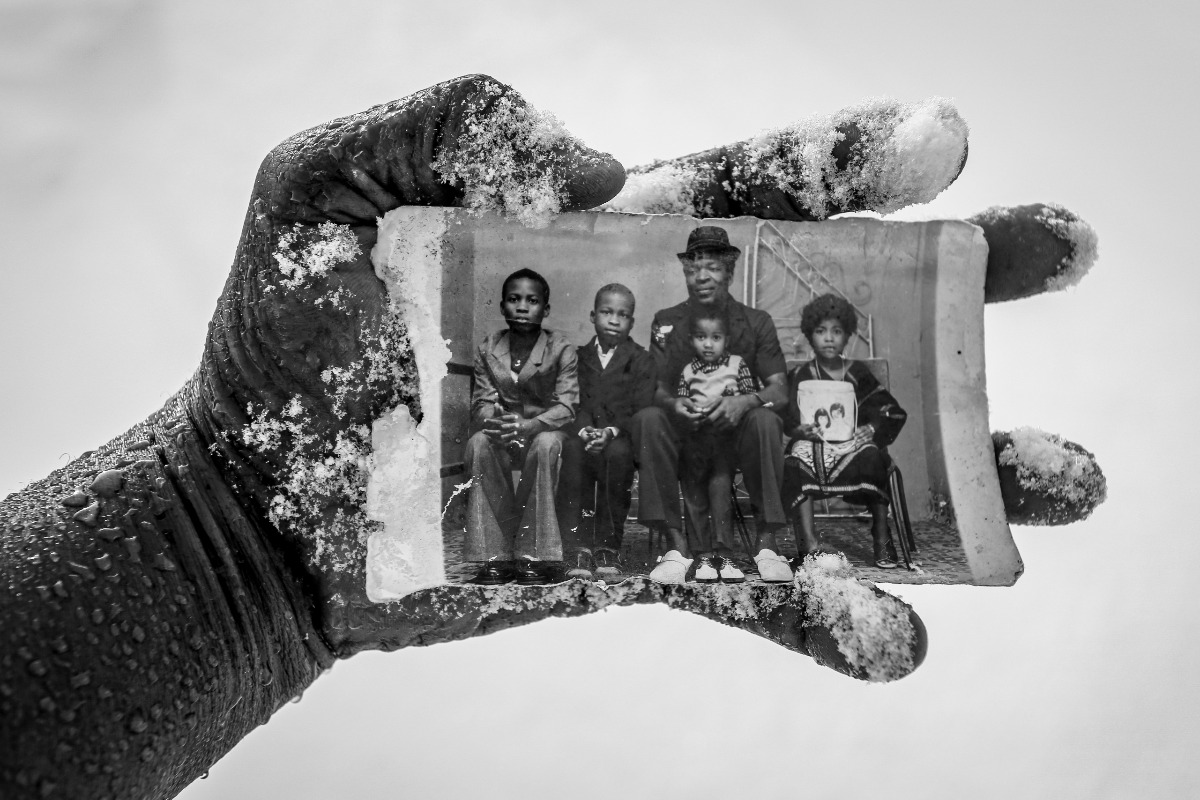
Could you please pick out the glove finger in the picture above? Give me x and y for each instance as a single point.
(1045, 479)
(1041, 247)
(881, 155)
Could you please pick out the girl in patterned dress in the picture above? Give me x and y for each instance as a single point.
(856, 469)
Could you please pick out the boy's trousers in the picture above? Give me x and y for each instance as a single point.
(596, 492)
(506, 525)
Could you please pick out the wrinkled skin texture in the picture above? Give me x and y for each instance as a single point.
(153, 614)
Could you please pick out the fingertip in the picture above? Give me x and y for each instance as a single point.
(962, 164)
(1035, 248)
(1046, 479)
(821, 644)
(856, 628)
(505, 155)
(592, 179)
(920, 642)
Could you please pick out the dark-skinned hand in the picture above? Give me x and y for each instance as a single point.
(727, 412)
(166, 593)
(688, 413)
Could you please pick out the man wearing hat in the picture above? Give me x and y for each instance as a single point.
(708, 266)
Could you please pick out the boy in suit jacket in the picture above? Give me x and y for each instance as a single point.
(526, 392)
(616, 379)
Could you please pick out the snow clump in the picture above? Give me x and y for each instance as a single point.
(1082, 238)
(905, 154)
(509, 158)
(662, 188)
(1050, 465)
(301, 256)
(314, 473)
(322, 468)
(873, 631)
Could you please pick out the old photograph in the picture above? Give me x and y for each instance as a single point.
(702, 402)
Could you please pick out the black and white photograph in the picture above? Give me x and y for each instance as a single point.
(631, 393)
(539, 399)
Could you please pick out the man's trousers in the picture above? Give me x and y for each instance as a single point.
(758, 453)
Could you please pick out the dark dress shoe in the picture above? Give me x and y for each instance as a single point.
(490, 574)
(528, 574)
(540, 573)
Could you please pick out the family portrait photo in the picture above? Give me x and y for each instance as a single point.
(653, 395)
(336, 374)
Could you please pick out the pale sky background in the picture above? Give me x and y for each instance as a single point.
(129, 137)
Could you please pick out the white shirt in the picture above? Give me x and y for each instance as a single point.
(604, 357)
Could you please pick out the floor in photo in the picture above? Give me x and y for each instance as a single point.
(939, 557)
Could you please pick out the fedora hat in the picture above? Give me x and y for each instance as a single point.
(708, 237)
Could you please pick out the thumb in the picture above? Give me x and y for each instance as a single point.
(472, 141)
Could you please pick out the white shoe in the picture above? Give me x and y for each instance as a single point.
(671, 568)
(772, 567)
(705, 573)
(730, 572)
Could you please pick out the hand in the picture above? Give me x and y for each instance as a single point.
(515, 430)
(230, 523)
(688, 412)
(492, 428)
(728, 411)
(810, 432)
(599, 441)
(863, 435)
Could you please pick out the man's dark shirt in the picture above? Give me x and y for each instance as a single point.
(752, 336)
